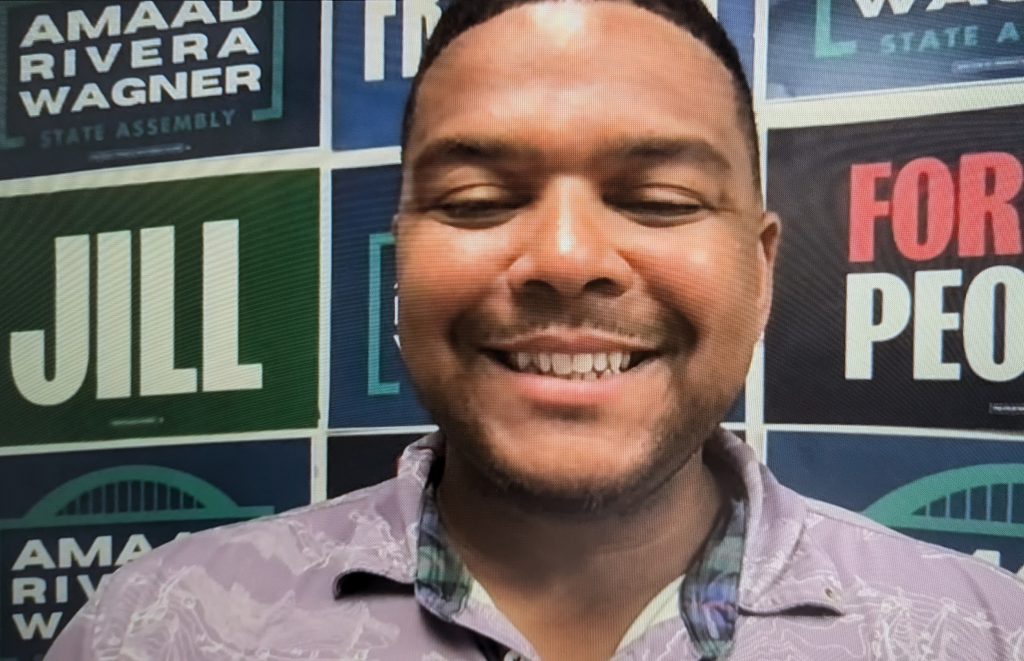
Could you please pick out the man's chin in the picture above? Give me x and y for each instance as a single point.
(569, 496)
(577, 487)
(562, 481)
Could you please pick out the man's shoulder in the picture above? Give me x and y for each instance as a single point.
(254, 565)
(872, 560)
(826, 581)
(332, 533)
(266, 579)
(797, 537)
(266, 584)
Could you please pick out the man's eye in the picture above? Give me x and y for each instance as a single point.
(659, 210)
(478, 209)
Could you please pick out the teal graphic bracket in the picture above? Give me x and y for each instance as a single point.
(374, 386)
(276, 108)
(908, 506)
(824, 47)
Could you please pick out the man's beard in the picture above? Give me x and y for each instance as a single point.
(677, 439)
(674, 440)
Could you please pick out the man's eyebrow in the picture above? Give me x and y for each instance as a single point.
(652, 150)
(658, 149)
(447, 151)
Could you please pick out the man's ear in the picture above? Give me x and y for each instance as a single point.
(396, 227)
(769, 230)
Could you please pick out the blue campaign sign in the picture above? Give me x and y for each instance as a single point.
(737, 17)
(68, 520)
(88, 84)
(369, 385)
(377, 50)
(820, 47)
(967, 495)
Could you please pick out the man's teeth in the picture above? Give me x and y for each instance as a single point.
(586, 366)
(561, 364)
(543, 361)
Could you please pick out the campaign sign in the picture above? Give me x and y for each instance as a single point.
(818, 47)
(69, 520)
(355, 462)
(737, 17)
(86, 84)
(967, 495)
(184, 307)
(369, 384)
(900, 281)
(377, 49)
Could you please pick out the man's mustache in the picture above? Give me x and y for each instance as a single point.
(666, 329)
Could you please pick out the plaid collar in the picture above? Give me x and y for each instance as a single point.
(442, 582)
(707, 598)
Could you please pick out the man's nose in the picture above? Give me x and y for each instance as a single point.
(571, 247)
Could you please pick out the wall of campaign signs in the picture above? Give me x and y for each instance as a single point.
(197, 278)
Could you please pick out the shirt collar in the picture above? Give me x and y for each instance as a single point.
(784, 568)
(442, 583)
(707, 598)
(380, 538)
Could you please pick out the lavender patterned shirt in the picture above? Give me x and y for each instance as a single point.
(335, 581)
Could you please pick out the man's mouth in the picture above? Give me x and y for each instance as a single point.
(571, 366)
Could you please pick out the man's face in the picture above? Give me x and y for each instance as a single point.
(584, 266)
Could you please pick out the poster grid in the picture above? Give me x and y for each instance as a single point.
(332, 442)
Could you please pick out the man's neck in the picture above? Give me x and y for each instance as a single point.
(550, 574)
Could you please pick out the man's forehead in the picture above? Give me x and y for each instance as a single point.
(559, 54)
(566, 76)
(571, 24)
(626, 150)
(562, 22)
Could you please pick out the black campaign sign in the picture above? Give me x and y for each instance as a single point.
(900, 283)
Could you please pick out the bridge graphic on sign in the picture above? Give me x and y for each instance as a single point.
(987, 499)
(132, 494)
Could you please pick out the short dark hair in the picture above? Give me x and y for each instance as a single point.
(691, 15)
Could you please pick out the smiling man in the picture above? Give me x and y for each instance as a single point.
(584, 269)
(581, 291)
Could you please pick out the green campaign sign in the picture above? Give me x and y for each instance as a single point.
(162, 309)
